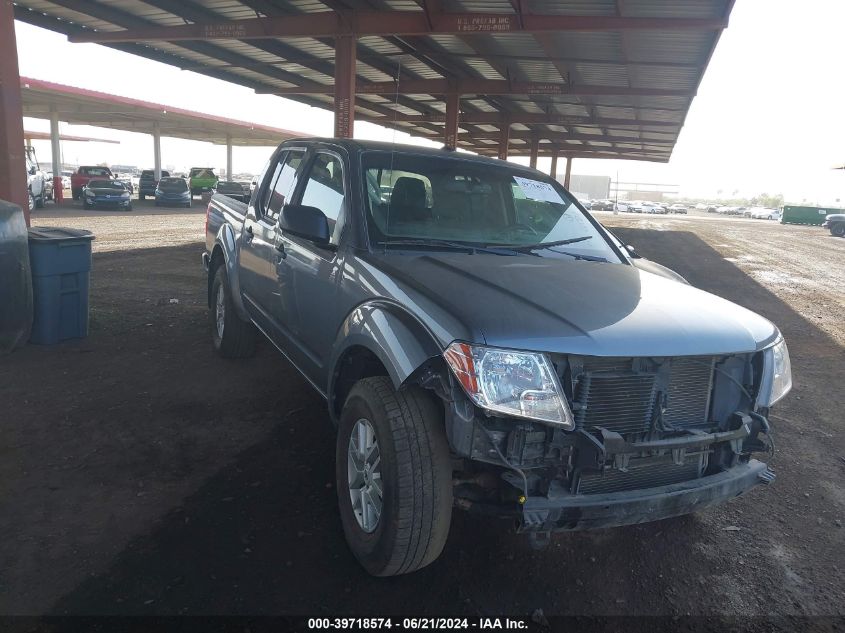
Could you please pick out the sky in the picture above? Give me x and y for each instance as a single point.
(769, 116)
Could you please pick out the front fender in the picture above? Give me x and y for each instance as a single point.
(398, 338)
(226, 243)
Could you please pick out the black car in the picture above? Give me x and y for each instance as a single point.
(106, 193)
(147, 182)
(235, 190)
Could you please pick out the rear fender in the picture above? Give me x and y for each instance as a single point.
(225, 248)
(401, 342)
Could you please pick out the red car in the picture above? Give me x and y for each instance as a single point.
(84, 174)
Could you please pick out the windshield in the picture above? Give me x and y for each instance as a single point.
(172, 184)
(424, 198)
(106, 184)
(198, 172)
(95, 171)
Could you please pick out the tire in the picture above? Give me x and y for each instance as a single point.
(129, 207)
(74, 193)
(85, 205)
(39, 201)
(235, 338)
(31, 202)
(415, 475)
(838, 229)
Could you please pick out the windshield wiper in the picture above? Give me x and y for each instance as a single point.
(527, 248)
(464, 246)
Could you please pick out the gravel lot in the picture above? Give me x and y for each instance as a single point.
(141, 474)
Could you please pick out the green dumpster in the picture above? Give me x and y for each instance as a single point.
(806, 215)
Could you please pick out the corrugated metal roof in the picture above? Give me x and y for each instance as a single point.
(629, 60)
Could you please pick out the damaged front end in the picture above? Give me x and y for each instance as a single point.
(642, 439)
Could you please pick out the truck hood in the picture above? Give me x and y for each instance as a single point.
(577, 307)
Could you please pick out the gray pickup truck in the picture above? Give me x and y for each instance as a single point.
(483, 343)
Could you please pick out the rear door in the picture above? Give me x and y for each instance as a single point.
(262, 286)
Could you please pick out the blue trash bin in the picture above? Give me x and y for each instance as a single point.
(60, 259)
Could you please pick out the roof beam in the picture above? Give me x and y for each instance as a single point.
(526, 118)
(362, 23)
(563, 136)
(482, 87)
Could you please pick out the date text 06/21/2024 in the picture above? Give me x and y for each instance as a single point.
(417, 623)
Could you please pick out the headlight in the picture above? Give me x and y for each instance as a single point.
(520, 384)
(777, 374)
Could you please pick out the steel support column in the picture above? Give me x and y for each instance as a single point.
(157, 152)
(453, 102)
(56, 154)
(228, 157)
(12, 161)
(504, 140)
(568, 172)
(344, 86)
(535, 150)
(553, 170)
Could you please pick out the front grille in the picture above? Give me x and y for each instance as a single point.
(620, 394)
(641, 473)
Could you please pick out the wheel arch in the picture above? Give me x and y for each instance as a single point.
(223, 253)
(379, 338)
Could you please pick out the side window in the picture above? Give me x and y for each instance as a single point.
(282, 184)
(325, 191)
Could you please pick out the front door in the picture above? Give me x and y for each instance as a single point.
(312, 272)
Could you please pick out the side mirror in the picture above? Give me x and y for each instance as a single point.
(306, 222)
(632, 251)
(32, 171)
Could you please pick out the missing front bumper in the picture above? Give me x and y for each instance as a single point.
(562, 511)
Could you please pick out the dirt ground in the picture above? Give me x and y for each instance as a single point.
(140, 474)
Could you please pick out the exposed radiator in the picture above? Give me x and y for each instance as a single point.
(620, 394)
(642, 473)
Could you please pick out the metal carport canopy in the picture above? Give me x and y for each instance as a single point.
(606, 78)
(79, 106)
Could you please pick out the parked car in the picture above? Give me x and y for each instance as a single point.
(202, 180)
(622, 207)
(126, 179)
(651, 207)
(39, 187)
(761, 213)
(235, 190)
(635, 206)
(678, 208)
(147, 183)
(602, 205)
(105, 192)
(172, 191)
(80, 179)
(475, 351)
(835, 223)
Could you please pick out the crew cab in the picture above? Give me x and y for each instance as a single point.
(84, 174)
(483, 343)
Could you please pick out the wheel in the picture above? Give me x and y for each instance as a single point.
(39, 201)
(129, 207)
(394, 477)
(838, 229)
(31, 202)
(232, 337)
(74, 193)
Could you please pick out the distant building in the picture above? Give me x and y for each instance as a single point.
(648, 191)
(591, 187)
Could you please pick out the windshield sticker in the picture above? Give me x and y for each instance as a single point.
(536, 190)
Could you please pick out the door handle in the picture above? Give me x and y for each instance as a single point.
(280, 249)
